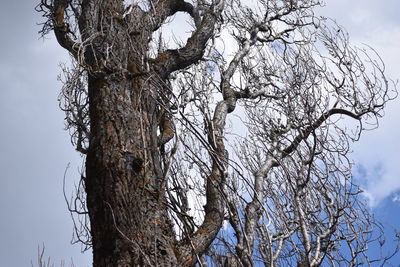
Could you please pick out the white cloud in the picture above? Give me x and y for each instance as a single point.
(396, 198)
(371, 22)
(381, 145)
(380, 181)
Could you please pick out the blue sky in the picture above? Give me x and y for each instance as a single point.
(35, 149)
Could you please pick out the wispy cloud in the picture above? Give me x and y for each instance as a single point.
(396, 198)
(376, 154)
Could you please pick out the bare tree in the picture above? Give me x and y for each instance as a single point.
(229, 150)
(43, 262)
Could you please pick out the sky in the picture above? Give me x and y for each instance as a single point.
(35, 150)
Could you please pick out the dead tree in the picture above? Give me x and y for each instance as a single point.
(230, 150)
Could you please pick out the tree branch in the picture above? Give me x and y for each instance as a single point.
(167, 128)
(176, 59)
(305, 133)
(61, 28)
(197, 244)
(163, 9)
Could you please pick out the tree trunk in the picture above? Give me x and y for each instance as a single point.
(126, 198)
(124, 182)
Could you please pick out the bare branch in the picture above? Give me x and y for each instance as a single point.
(173, 60)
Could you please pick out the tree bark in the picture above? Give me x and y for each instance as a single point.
(124, 183)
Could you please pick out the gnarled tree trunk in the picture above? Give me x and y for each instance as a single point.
(126, 88)
(124, 182)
